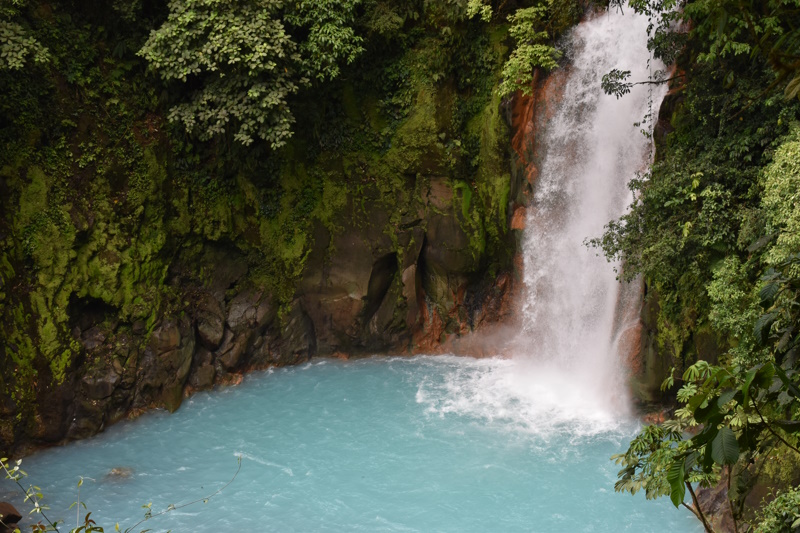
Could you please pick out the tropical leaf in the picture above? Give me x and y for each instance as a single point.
(748, 380)
(763, 325)
(767, 293)
(786, 381)
(724, 448)
(726, 397)
(675, 477)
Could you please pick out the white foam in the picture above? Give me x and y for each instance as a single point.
(517, 396)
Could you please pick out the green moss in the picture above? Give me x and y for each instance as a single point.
(33, 198)
(466, 196)
(416, 146)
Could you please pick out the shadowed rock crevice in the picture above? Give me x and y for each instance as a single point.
(383, 274)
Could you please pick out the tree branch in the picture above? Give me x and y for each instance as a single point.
(174, 507)
(730, 504)
(769, 428)
(658, 82)
(699, 511)
(30, 494)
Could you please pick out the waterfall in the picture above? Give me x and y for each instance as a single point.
(567, 371)
(591, 147)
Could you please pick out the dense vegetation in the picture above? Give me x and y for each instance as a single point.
(713, 230)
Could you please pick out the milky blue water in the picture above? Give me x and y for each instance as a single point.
(380, 444)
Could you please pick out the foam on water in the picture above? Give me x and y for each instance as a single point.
(514, 395)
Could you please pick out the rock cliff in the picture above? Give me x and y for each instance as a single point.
(137, 267)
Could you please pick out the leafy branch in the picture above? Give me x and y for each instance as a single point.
(741, 411)
(33, 494)
(148, 514)
(531, 52)
(615, 82)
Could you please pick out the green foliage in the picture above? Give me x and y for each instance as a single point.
(713, 231)
(725, 29)
(781, 515)
(531, 52)
(615, 82)
(656, 463)
(744, 411)
(330, 39)
(386, 19)
(701, 201)
(734, 308)
(245, 62)
(479, 7)
(771, 32)
(105, 203)
(32, 494)
(737, 409)
(17, 47)
(779, 201)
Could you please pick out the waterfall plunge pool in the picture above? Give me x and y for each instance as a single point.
(428, 443)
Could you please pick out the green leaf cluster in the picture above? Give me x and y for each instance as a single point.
(742, 414)
(242, 60)
(532, 50)
(17, 45)
(781, 515)
(727, 28)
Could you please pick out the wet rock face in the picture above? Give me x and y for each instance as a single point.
(102, 386)
(9, 517)
(298, 338)
(210, 319)
(400, 271)
(352, 280)
(165, 364)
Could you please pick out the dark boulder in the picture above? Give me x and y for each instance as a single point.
(203, 377)
(93, 338)
(210, 321)
(166, 363)
(233, 347)
(250, 310)
(9, 517)
(101, 386)
(299, 340)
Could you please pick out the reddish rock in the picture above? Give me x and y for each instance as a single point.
(519, 218)
(657, 417)
(716, 506)
(522, 123)
(428, 339)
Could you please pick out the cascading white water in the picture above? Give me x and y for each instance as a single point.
(592, 147)
(567, 375)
